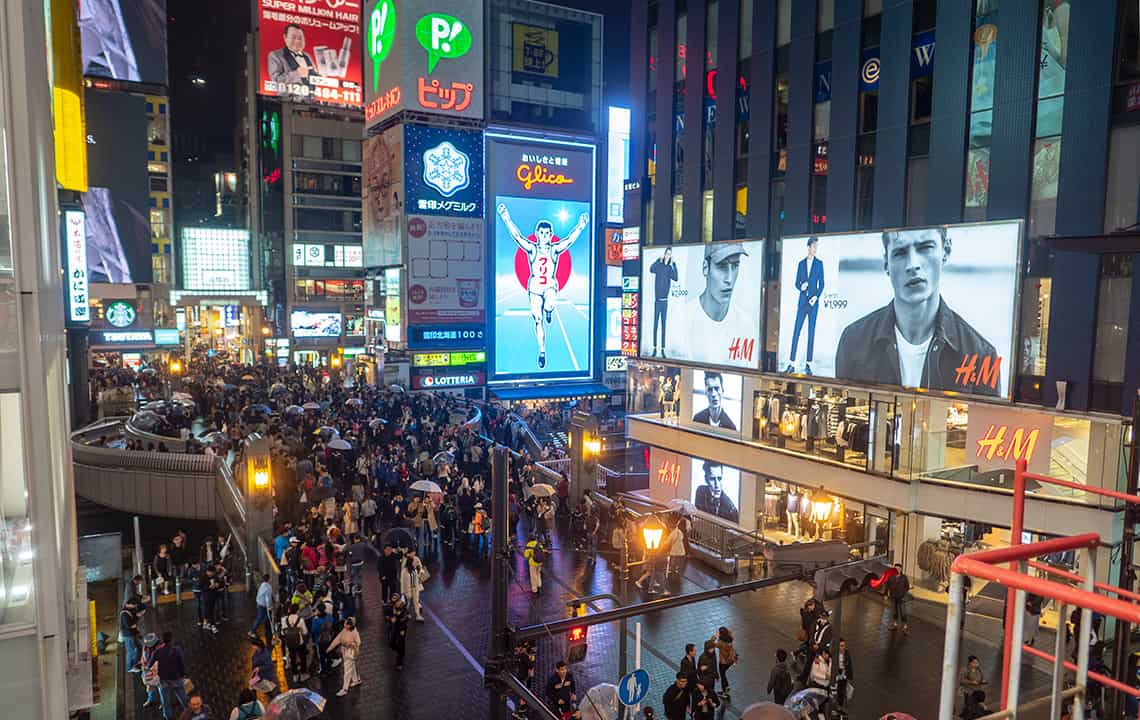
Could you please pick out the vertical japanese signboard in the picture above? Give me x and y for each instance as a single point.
(77, 285)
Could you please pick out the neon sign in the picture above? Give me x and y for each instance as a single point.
(531, 175)
(381, 33)
(442, 36)
(382, 104)
(457, 97)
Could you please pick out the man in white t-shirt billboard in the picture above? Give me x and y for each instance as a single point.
(711, 327)
(916, 340)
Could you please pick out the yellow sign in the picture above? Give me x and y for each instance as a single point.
(431, 359)
(67, 98)
(535, 50)
(468, 358)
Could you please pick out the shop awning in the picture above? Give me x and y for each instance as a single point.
(552, 392)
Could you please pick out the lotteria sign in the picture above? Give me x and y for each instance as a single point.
(448, 380)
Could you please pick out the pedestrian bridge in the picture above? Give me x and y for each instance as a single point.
(175, 485)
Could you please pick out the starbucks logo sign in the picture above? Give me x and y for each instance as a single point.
(120, 314)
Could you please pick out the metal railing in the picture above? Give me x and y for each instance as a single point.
(1019, 584)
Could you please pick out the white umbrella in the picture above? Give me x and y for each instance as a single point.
(338, 444)
(540, 490)
(422, 485)
(600, 703)
(311, 405)
(681, 505)
(354, 401)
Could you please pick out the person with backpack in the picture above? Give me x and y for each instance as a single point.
(780, 680)
(294, 635)
(535, 555)
(248, 706)
(149, 666)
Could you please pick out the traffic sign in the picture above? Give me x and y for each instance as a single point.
(633, 687)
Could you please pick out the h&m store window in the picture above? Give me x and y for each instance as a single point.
(832, 423)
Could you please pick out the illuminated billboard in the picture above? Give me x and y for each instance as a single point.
(416, 58)
(308, 52)
(702, 303)
(215, 259)
(443, 171)
(712, 488)
(445, 270)
(542, 235)
(124, 39)
(117, 203)
(308, 324)
(382, 200)
(613, 324)
(617, 163)
(716, 399)
(928, 308)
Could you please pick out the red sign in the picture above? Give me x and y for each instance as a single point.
(971, 374)
(382, 104)
(434, 96)
(613, 246)
(308, 51)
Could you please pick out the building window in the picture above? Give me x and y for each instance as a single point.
(1112, 313)
(1126, 95)
(985, 47)
(1035, 305)
(783, 22)
(680, 60)
(1121, 208)
(917, 169)
(1050, 106)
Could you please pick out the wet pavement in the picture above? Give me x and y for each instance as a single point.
(442, 677)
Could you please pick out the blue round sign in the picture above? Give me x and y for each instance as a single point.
(633, 687)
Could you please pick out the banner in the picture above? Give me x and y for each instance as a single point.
(542, 234)
(445, 270)
(929, 308)
(702, 303)
(308, 51)
(383, 197)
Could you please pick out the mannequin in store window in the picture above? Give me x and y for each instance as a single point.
(793, 513)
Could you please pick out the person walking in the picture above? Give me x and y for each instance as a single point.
(248, 706)
(412, 573)
(898, 590)
(388, 567)
(294, 635)
(367, 515)
(171, 677)
(675, 565)
(263, 672)
(264, 609)
(780, 679)
(561, 690)
(535, 555)
(704, 702)
(820, 676)
(348, 640)
(149, 673)
(163, 567)
(726, 654)
(676, 699)
(844, 672)
(707, 666)
(321, 631)
(398, 628)
(689, 664)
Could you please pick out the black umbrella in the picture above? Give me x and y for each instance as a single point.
(400, 537)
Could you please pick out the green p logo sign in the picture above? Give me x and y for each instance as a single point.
(443, 37)
(381, 34)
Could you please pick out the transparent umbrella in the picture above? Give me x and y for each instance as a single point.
(766, 711)
(339, 444)
(298, 704)
(808, 699)
(600, 703)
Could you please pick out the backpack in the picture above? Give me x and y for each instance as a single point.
(292, 634)
(324, 635)
(539, 554)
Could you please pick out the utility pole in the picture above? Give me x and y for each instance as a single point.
(500, 577)
(1127, 577)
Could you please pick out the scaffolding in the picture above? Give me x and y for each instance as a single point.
(1087, 597)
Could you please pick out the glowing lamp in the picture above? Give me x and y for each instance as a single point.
(175, 367)
(652, 532)
(821, 509)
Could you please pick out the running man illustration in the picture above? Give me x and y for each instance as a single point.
(542, 249)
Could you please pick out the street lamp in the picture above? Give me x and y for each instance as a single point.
(652, 532)
(175, 367)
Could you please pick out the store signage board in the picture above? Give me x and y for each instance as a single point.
(417, 57)
(127, 336)
(996, 438)
(78, 287)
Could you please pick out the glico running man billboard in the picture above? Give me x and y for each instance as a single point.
(541, 219)
(927, 308)
(309, 51)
